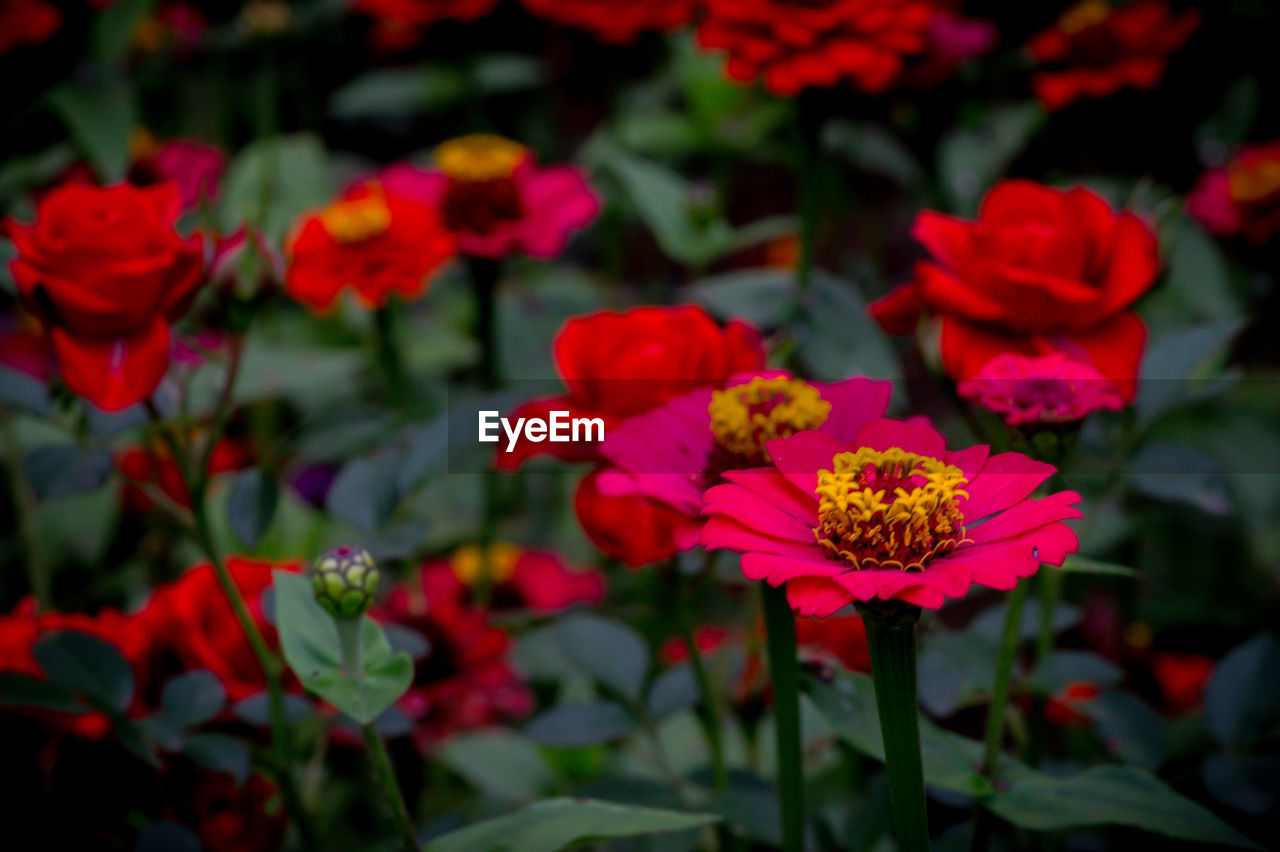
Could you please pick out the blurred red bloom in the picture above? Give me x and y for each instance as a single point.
(891, 514)
(1067, 708)
(1041, 270)
(464, 680)
(24, 347)
(155, 466)
(26, 22)
(517, 578)
(191, 619)
(196, 168)
(1242, 198)
(398, 24)
(634, 530)
(791, 46)
(616, 21)
(229, 816)
(1095, 49)
(107, 273)
(620, 364)
(1182, 678)
(496, 200)
(1051, 388)
(372, 241)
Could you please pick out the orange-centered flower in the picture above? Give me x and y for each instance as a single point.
(355, 220)
(482, 192)
(889, 509)
(495, 564)
(744, 417)
(1253, 179)
(1084, 15)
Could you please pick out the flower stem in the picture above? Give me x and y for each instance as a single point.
(1050, 582)
(1004, 670)
(891, 638)
(809, 120)
(390, 788)
(388, 351)
(484, 273)
(784, 674)
(25, 520)
(710, 701)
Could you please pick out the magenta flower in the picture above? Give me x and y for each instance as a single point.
(892, 514)
(1053, 388)
(195, 167)
(1243, 197)
(675, 452)
(496, 200)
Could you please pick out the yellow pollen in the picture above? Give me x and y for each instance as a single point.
(357, 219)
(1254, 181)
(142, 144)
(890, 509)
(745, 417)
(468, 563)
(1084, 15)
(479, 157)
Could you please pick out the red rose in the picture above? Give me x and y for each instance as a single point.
(616, 21)
(1096, 49)
(619, 364)
(1042, 270)
(26, 22)
(634, 530)
(370, 241)
(107, 273)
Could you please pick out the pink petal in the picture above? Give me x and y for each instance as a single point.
(854, 404)
(816, 598)
(776, 490)
(721, 533)
(1005, 479)
(779, 568)
(800, 456)
(914, 437)
(1025, 516)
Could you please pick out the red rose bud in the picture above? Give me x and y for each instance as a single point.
(345, 581)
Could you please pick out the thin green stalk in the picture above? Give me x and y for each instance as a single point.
(891, 638)
(484, 273)
(809, 120)
(784, 673)
(24, 519)
(387, 349)
(1004, 670)
(710, 700)
(1049, 581)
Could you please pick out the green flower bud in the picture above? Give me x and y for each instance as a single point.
(345, 581)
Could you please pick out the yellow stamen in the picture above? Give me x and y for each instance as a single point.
(1253, 181)
(468, 563)
(479, 156)
(1084, 15)
(745, 417)
(357, 219)
(889, 509)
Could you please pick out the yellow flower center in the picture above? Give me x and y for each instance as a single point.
(479, 157)
(890, 509)
(1084, 15)
(745, 417)
(1255, 181)
(357, 219)
(142, 144)
(469, 563)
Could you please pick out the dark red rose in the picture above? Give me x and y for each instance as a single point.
(1242, 198)
(619, 364)
(1042, 270)
(26, 22)
(1095, 49)
(193, 620)
(792, 46)
(616, 21)
(634, 530)
(107, 273)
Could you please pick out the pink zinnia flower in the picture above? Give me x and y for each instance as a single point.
(1053, 388)
(1243, 197)
(675, 452)
(496, 200)
(892, 514)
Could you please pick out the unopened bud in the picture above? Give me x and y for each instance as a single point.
(345, 581)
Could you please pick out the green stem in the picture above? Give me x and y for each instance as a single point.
(710, 701)
(484, 273)
(891, 638)
(1004, 670)
(24, 519)
(388, 351)
(784, 673)
(390, 788)
(809, 119)
(1050, 582)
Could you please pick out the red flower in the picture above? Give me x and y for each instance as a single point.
(156, 467)
(1051, 388)
(26, 22)
(634, 530)
(842, 638)
(195, 167)
(24, 347)
(229, 816)
(464, 681)
(1095, 49)
(398, 24)
(1042, 270)
(537, 580)
(192, 619)
(496, 200)
(1182, 678)
(107, 273)
(616, 21)
(1243, 198)
(619, 364)
(1068, 708)
(371, 241)
(793, 46)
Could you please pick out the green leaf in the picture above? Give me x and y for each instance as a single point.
(220, 753)
(611, 652)
(193, 698)
(581, 724)
(20, 392)
(21, 691)
(675, 689)
(501, 764)
(972, 159)
(760, 296)
(251, 505)
(1061, 668)
(60, 470)
(114, 26)
(554, 824)
(837, 337)
(101, 116)
(873, 148)
(1084, 565)
(366, 491)
(1173, 361)
(1130, 728)
(1242, 697)
(309, 638)
(1111, 795)
(271, 183)
(88, 666)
